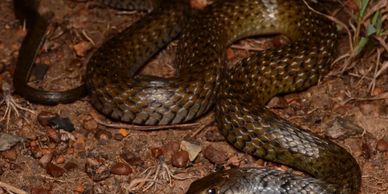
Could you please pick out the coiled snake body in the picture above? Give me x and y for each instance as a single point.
(240, 93)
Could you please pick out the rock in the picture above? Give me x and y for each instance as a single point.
(8, 140)
(9, 154)
(215, 156)
(44, 117)
(53, 134)
(123, 132)
(45, 159)
(277, 102)
(97, 170)
(342, 128)
(90, 125)
(79, 188)
(82, 48)
(366, 150)
(180, 159)
(230, 54)
(70, 166)
(121, 169)
(191, 148)
(377, 91)
(60, 159)
(169, 149)
(198, 4)
(62, 123)
(61, 148)
(79, 143)
(156, 152)
(382, 144)
(102, 134)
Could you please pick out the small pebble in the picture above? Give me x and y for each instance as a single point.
(61, 148)
(366, 150)
(62, 123)
(198, 4)
(28, 133)
(82, 48)
(44, 117)
(342, 128)
(377, 91)
(121, 169)
(277, 102)
(180, 159)
(131, 158)
(230, 54)
(169, 149)
(79, 143)
(36, 153)
(45, 159)
(79, 189)
(7, 141)
(65, 136)
(52, 145)
(192, 148)
(96, 169)
(40, 190)
(60, 159)
(382, 145)
(156, 152)
(118, 137)
(278, 41)
(9, 154)
(260, 162)
(90, 125)
(54, 170)
(123, 132)
(70, 166)
(102, 134)
(214, 156)
(53, 134)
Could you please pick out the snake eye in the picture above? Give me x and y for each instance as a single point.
(212, 191)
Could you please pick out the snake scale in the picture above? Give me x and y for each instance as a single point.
(239, 94)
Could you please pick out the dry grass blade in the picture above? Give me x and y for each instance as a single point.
(11, 106)
(156, 174)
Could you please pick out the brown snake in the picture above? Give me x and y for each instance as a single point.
(239, 94)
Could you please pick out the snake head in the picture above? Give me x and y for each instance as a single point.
(211, 184)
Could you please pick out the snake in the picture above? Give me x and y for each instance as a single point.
(203, 81)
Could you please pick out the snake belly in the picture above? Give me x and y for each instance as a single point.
(239, 94)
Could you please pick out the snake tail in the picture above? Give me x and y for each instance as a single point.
(26, 10)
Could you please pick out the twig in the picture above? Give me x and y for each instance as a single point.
(12, 189)
(10, 104)
(88, 37)
(159, 173)
(382, 96)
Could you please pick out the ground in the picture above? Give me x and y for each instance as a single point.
(101, 158)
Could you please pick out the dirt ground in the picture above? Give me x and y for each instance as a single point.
(96, 158)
